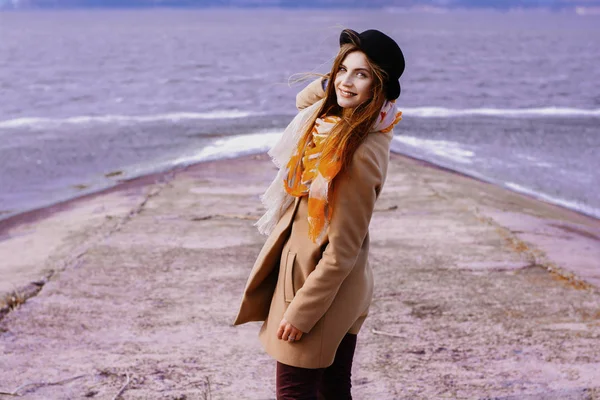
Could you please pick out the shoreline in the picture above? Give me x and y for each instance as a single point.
(40, 213)
(30, 216)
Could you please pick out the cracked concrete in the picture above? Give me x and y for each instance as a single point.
(480, 293)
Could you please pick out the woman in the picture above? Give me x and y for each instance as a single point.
(312, 284)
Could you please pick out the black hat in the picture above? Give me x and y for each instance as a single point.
(383, 51)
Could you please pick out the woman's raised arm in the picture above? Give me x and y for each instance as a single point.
(312, 93)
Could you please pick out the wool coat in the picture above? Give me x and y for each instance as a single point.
(323, 289)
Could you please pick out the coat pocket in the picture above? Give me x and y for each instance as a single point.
(288, 282)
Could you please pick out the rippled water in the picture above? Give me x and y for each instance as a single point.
(513, 98)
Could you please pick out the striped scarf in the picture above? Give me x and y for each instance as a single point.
(303, 171)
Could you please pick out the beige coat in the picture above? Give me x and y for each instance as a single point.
(323, 289)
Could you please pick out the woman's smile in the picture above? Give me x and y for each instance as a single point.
(346, 93)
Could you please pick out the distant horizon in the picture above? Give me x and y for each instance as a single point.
(587, 10)
(579, 6)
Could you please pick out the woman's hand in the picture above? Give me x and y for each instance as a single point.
(288, 332)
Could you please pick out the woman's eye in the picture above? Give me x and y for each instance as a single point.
(341, 69)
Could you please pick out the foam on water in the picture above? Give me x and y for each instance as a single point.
(217, 149)
(442, 112)
(231, 146)
(442, 148)
(415, 112)
(40, 122)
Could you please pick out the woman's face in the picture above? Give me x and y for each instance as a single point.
(353, 80)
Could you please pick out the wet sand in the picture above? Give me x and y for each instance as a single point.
(480, 292)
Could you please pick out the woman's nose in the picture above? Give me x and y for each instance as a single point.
(347, 80)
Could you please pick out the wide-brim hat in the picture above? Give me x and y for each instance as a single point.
(383, 51)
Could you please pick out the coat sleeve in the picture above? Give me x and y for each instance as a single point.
(355, 192)
(310, 94)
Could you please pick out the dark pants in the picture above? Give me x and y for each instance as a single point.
(331, 383)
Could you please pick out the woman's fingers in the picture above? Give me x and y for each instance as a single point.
(287, 331)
